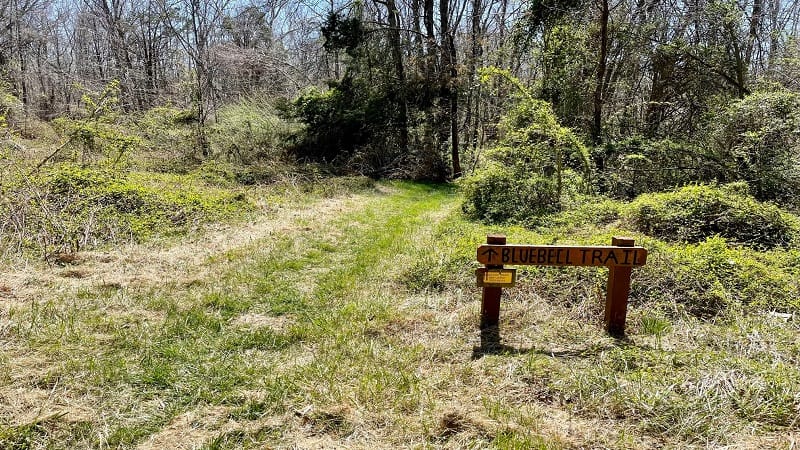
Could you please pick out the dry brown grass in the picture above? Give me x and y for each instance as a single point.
(33, 390)
(152, 265)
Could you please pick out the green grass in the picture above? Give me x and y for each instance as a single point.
(356, 325)
(188, 350)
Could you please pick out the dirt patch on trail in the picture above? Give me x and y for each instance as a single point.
(141, 266)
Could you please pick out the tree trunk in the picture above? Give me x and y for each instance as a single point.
(449, 89)
(597, 124)
(752, 37)
(397, 57)
(473, 95)
(454, 131)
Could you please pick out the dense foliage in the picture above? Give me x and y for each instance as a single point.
(526, 174)
(351, 124)
(757, 139)
(667, 92)
(751, 142)
(71, 208)
(694, 213)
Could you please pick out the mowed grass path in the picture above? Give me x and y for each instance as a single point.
(296, 339)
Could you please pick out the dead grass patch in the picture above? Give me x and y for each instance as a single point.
(75, 273)
(256, 320)
(190, 430)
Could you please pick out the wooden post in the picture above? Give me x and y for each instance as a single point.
(619, 286)
(490, 299)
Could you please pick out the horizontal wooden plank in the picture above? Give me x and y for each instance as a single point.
(561, 255)
(496, 277)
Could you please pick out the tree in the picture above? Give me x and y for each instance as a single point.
(196, 23)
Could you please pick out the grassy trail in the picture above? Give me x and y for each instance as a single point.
(276, 341)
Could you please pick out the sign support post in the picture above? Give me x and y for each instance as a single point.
(490, 298)
(617, 290)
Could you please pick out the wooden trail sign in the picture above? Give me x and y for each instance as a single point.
(620, 257)
(553, 255)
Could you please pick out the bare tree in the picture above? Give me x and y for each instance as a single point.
(196, 24)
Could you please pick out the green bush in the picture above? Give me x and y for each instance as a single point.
(694, 213)
(757, 140)
(354, 125)
(496, 194)
(167, 132)
(70, 208)
(228, 174)
(537, 162)
(635, 166)
(98, 133)
(710, 278)
(11, 108)
(248, 131)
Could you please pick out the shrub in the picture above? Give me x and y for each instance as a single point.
(635, 166)
(11, 108)
(525, 175)
(90, 139)
(757, 139)
(167, 132)
(353, 125)
(248, 131)
(694, 213)
(227, 174)
(98, 133)
(69, 208)
(709, 278)
(498, 194)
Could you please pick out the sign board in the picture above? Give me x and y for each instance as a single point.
(561, 255)
(496, 277)
(620, 257)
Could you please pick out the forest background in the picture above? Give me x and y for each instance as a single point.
(667, 92)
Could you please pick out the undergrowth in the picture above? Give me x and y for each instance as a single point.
(69, 208)
(695, 213)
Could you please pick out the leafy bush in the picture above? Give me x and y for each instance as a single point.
(11, 108)
(757, 139)
(710, 277)
(498, 194)
(90, 139)
(525, 175)
(167, 132)
(228, 174)
(635, 166)
(247, 132)
(694, 213)
(352, 125)
(98, 133)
